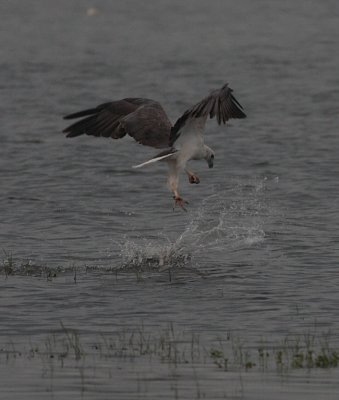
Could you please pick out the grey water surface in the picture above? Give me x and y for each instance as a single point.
(257, 252)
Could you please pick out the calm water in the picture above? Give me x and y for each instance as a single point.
(257, 252)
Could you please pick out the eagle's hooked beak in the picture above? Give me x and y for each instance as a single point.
(210, 161)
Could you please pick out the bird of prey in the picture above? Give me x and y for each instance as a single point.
(146, 121)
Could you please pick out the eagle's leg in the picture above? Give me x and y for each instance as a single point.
(192, 178)
(179, 201)
(173, 182)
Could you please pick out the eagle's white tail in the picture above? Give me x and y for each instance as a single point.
(153, 160)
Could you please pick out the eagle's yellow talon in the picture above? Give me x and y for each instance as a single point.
(194, 179)
(179, 201)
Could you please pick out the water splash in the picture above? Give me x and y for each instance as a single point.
(227, 220)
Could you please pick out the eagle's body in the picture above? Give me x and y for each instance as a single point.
(146, 121)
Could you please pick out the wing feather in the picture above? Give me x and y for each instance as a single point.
(146, 121)
(78, 127)
(143, 119)
(220, 104)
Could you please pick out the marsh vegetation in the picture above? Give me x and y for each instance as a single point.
(173, 346)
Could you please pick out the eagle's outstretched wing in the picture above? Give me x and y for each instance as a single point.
(220, 104)
(143, 119)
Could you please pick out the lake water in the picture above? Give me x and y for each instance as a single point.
(92, 249)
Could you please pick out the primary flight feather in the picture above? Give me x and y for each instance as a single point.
(146, 121)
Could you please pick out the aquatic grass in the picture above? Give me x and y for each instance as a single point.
(306, 351)
(263, 355)
(174, 348)
(73, 340)
(219, 358)
(7, 263)
(9, 267)
(140, 267)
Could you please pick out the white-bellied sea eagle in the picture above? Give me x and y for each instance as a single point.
(146, 121)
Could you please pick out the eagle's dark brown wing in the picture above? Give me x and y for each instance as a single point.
(143, 119)
(220, 104)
